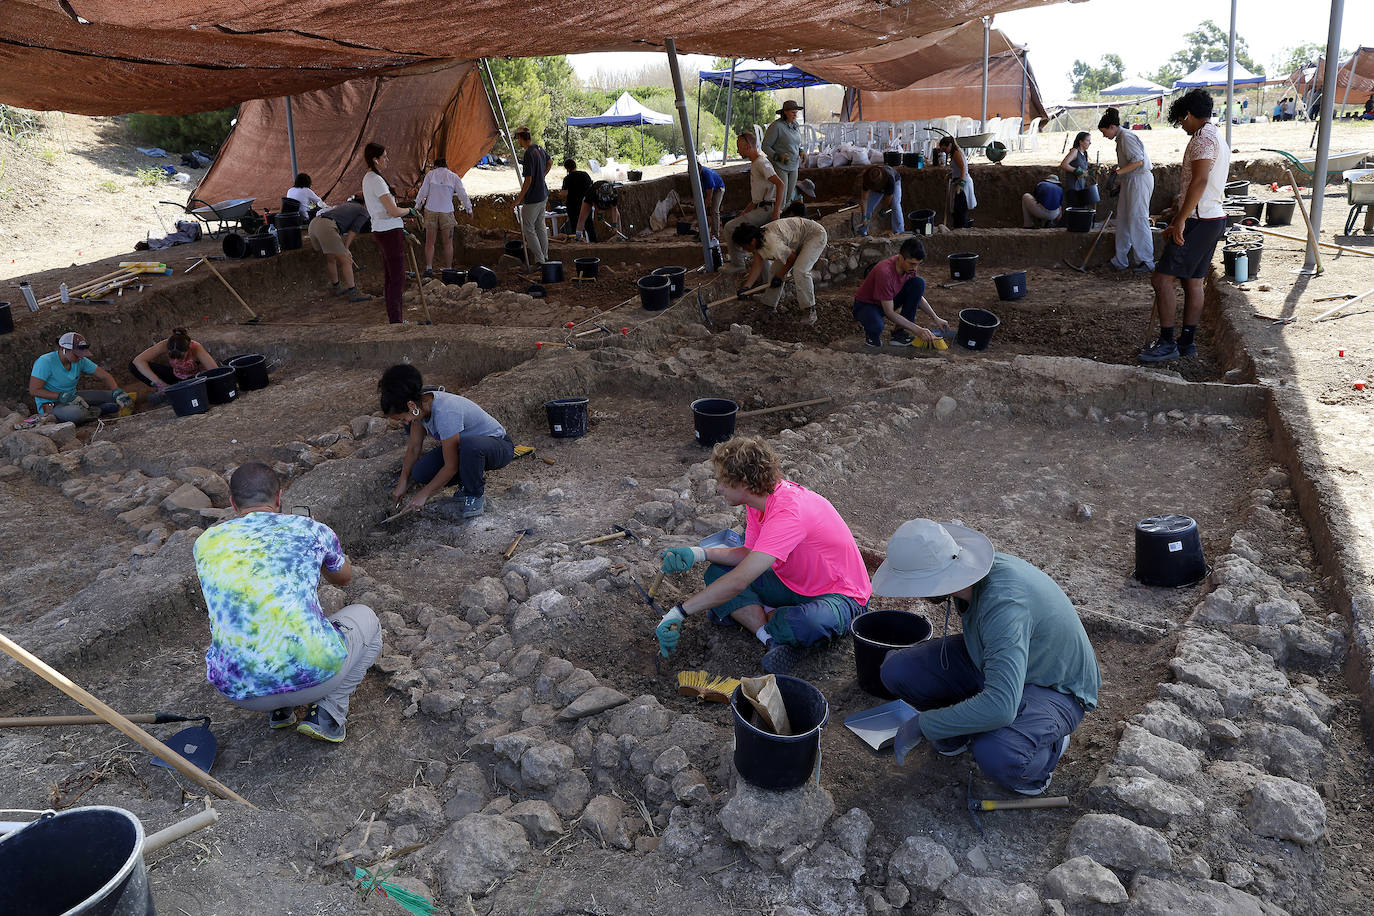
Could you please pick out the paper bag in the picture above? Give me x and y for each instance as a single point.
(763, 694)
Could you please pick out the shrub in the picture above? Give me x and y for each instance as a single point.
(205, 130)
(151, 176)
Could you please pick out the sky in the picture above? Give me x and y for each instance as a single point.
(1144, 34)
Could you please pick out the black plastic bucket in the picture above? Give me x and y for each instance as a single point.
(1280, 212)
(82, 860)
(1233, 215)
(251, 370)
(975, 328)
(1238, 188)
(452, 276)
(567, 417)
(289, 237)
(634, 174)
(1079, 219)
(551, 272)
(684, 227)
(962, 265)
(780, 762)
(587, 267)
(484, 277)
(235, 246)
(516, 249)
(1253, 252)
(892, 157)
(655, 292)
(1011, 286)
(910, 160)
(677, 279)
(6, 318)
(1253, 206)
(1168, 551)
(288, 218)
(713, 419)
(188, 397)
(262, 245)
(221, 385)
(877, 633)
(921, 222)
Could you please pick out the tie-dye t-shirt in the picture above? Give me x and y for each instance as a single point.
(260, 575)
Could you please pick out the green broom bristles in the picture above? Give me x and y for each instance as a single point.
(407, 900)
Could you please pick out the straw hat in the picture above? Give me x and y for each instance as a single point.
(928, 559)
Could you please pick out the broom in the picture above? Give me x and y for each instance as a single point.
(704, 686)
(407, 900)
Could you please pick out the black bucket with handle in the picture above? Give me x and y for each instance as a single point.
(975, 328)
(551, 272)
(587, 268)
(963, 265)
(251, 369)
(85, 861)
(780, 762)
(921, 222)
(1079, 219)
(1011, 285)
(713, 420)
(188, 397)
(235, 246)
(221, 384)
(655, 292)
(677, 279)
(1279, 212)
(878, 632)
(453, 276)
(1168, 551)
(567, 417)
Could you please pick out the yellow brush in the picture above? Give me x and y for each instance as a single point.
(522, 450)
(704, 686)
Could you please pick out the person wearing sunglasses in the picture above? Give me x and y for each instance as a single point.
(53, 384)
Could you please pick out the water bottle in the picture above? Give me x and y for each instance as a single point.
(1240, 267)
(28, 295)
(920, 160)
(62, 291)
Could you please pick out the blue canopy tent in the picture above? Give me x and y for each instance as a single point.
(755, 76)
(1212, 75)
(626, 110)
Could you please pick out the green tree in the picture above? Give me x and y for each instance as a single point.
(204, 130)
(1088, 80)
(1205, 43)
(1301, 55)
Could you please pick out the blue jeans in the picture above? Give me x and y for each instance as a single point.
(871, 316)
(1021, 755)
(873, 198)
(798, 620)
(476, 455)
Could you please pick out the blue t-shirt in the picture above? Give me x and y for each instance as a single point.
(535, 163)
(260, 575)
(1049, 195)
(710, 179)
(57, 377)
(453, 415)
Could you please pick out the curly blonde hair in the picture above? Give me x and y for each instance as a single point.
(749, 462)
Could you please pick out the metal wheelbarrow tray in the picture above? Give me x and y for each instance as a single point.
(218, 218)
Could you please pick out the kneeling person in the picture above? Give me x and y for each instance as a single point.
(796, 242)
(1015, 683)
(799, 558)
(271, 646)
(893, 291)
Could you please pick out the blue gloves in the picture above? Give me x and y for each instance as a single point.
(669, 630)
(681, 559)
(908, 736)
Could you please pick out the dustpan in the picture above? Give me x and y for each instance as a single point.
(196, 744)
(877, 727)
(726, 537)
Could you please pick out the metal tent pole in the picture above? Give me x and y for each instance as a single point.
(494, 101)
(1349, 77)
(291, 140)
(1333, 51)
(693, 173)
(1231, 74)
(698, 130)
(987, 31)
(729, 113)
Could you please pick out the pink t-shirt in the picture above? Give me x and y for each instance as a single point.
(815, 549)
(883, 282)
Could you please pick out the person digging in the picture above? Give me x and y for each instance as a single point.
(892, 292)
(1015, 683)
(794, 241)
(271, 646)
(797, 581)
(54, 378)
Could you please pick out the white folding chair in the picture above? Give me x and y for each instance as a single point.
(1031, 135)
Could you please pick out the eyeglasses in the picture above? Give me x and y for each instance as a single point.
(82, 346)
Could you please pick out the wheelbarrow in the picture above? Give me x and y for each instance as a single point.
(218, 218)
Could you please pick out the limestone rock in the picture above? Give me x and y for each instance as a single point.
(479, 849)
(538, 818)
(415, 805)
(643, 717)
(922, 862)
(101, 456)
(568, 574)
(767, 822)
(570, 796)
(1167, 720)
(990, 897)
(1118, 843)
(1287, 810)
(690, 788)
(60, 433)
(25, 442)
(670, 762)
(824, 884)
(598, 699)
(602, 819)
(851, 831)
(185, 496)
(1156, 897)
(1235, 671)
(486, 593)
(1082, 880)
(945, 407)
(1157, 802)
(1160, 756)
(546, 764)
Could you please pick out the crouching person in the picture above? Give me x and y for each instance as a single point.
(1019, 678)
(797, 581)
(271, 646)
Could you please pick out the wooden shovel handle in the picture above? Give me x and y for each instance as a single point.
(1013, 804)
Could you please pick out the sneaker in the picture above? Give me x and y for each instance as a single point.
(281, 718)
(356, 295)
(474, 506)
(321, 726)
(950, 747)
(874, 343)
(429, 273)
(1161, 351)
(812, 317)
(900, 339)
(1143, 269)
(780, 658)
(340, 291)
(1189, 349)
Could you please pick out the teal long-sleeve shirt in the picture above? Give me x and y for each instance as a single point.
(1020, 628)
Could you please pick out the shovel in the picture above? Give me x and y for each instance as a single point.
(197, 744)
(141, 718)
(1083, 268)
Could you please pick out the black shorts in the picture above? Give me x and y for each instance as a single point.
(1193, 259)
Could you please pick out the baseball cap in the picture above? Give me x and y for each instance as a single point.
(68, 341)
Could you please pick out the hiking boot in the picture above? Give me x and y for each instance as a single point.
(474, 506)
(1143, 269)
(900, 339)
(281, 718)
(1162, 351)
(780, 658)
(812, 317)
(356, 295)
(321, 726)
(429, 273)
(1188, 349)
(873, 343)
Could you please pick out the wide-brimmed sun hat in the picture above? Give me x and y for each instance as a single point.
(928, 559)
(790, 105)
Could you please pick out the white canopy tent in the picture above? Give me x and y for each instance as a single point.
(626, 110)
(1137, 85)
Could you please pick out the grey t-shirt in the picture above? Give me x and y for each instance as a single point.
(452, 415)
(349, 217)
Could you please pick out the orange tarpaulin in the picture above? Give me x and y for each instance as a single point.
(897, 64)
(956, 92)
(417, 116)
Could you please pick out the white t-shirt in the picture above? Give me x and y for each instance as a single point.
(1206, 144)
(760, 188)
(374, 188)
(306, 198)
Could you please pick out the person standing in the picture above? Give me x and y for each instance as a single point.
(332, 233)
(795, 241)
(1080, 189)
(388, 229)
(435, 200)
(577, 185)
(962, 199)
(882, 183)
(1137, 183)
(713, 193)
(1042, 207)
(799, 559)
(782, 143)
(271, 646)
(765, 194)
(54, 377)
(1018, 679)
(1198, 224)
(533, 198)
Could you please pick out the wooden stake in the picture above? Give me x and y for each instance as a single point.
(419, 280)
(782, 407)
(658, 580)
(233, 292)
(144, 718)
(90, 701)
